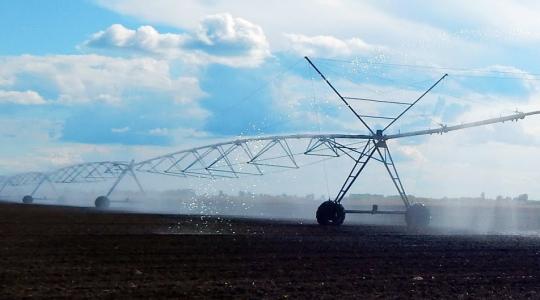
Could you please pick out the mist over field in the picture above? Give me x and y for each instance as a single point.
(475, 215)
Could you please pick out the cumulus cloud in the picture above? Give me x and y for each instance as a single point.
(329, 46)
(17, 97)
(382, 23)
(75, 79)
(223, 35)
(145, 38)
(144, 93)
(219, 39)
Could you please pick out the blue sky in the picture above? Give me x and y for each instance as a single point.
(55, 27)
(89, 80)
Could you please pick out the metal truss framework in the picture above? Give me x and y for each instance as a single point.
(249, 156)
(79, 173)
(253, 156)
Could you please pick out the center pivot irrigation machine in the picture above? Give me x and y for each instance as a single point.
(251, 156)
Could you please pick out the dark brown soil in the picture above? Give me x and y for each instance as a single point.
(48, 251)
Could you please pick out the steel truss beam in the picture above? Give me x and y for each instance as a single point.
(79, 173)
(248, 156)
(31, 178)
(89, 172)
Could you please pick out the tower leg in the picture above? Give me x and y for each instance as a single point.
(116, 182)
(4, 185)
(358, 167)
(103, 201)
(386, 159)
(136, 180)
(129, 168)
(38, 186)
(416, 215)
(28, 199)
(332, 212)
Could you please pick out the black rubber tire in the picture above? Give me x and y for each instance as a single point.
(324, 212)
(28, 199)
(417, 216)
(330, 213)
(102, 202)
(340, 215)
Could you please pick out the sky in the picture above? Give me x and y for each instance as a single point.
(130, 79)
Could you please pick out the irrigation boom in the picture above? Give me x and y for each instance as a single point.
(444, 128)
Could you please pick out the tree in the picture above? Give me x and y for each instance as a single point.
(522, 197)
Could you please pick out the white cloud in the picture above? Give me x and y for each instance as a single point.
(219, 38)
(329, 46)
(223, 35)
(25, 98)
(110, 99)
(412, 153)
(372, 21)
(508, 21)
(93, 78)
(50, 156)
(31, 144)
(145, 38)
(120, 130)
(159, 131)
(448, 165)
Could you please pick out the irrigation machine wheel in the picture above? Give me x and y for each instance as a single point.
(27, 199)
(330, 213)
(417, 216)
(102, 202)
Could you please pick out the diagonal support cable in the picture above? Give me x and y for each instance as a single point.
(257, 160)
(339, 95)
(249, 153)
(315, 147)
(412, 104)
